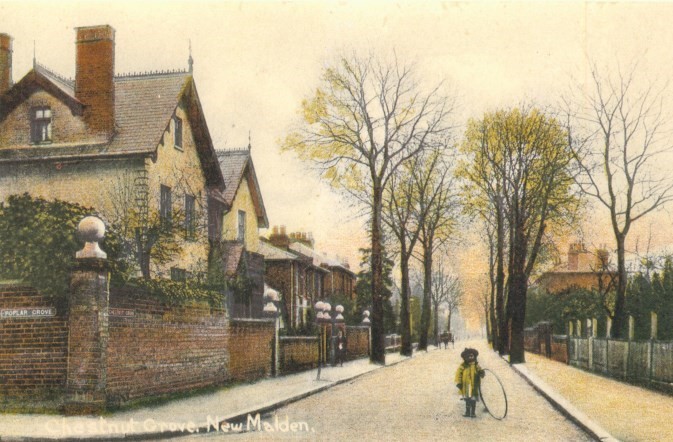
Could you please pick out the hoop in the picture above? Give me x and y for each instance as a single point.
(495, 413)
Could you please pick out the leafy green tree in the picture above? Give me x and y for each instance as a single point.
(640, 302)
(363, 290)
(38, 243)
(666, 301)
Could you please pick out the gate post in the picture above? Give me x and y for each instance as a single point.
(88, 303)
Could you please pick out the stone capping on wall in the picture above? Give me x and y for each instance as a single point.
(252, 320)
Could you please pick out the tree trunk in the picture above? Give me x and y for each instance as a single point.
(516, 300)
(619, 321)
(518, 316)
(405, 318)
(378, 350)
(435, 306)
(500, 323)
(427, 288)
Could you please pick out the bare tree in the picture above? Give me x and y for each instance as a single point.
(618, 137)
(150, 237)
(365, 120)
(398, 214)
(437, 217)
(446, 291)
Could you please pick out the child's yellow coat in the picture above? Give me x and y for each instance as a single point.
(468, 375)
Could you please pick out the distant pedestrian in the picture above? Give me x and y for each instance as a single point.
(468, 377)
(341, 348)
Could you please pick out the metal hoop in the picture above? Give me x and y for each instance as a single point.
(502, 388)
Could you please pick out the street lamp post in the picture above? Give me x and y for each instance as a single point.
(368, 323)
(322, 318)
(337, 320)
(271, 299)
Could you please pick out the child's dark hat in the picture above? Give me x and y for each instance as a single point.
(469, 351)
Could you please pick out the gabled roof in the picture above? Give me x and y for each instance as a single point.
(236, 164)
(40, 78)
(144, 105)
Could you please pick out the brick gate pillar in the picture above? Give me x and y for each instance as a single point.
(88, 323)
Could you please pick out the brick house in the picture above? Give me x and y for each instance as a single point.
(303, 275)
(583, 270)
(245, 215)
(102, 137)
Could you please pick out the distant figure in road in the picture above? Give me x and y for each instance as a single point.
(447, 337)
(468, 377)
(341, 348)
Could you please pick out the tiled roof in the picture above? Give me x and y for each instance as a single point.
(143, 108)
(273, 253)
(232, 163)
(66, 85)
(232, 252)
(317, 258)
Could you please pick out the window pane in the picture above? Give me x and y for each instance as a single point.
(165, 205)
(241, 225)
(39, 113)
(47, 113)
(178, 132)
(189, 214)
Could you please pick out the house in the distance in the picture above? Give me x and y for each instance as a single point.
(244, 216)
(126, 145)
(583, 270)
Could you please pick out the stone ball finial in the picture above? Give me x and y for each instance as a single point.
(91, 230)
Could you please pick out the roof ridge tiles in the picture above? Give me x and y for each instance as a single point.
(151, 73)
(57, 76)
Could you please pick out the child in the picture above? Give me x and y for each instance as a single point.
(468, 378)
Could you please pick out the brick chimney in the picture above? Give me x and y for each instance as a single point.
(574, 251)
(5, 63)
(94, 77)
(279, 239)
(602, 259)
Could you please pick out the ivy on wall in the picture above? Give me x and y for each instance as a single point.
(38, 243)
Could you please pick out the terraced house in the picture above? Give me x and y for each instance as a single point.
(136, 147)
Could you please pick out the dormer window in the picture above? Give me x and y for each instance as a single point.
(177, 134)
(40, 125)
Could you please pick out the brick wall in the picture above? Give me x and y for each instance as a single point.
(152, 349)
(250, 348)
(298, 353)
(33, 351)
(155, 348)
(357, 340)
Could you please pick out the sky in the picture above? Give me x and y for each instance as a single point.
(255, 61)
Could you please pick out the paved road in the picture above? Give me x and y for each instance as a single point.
(414, 400)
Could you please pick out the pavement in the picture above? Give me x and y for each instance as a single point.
(190, 415)
(227, 406)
